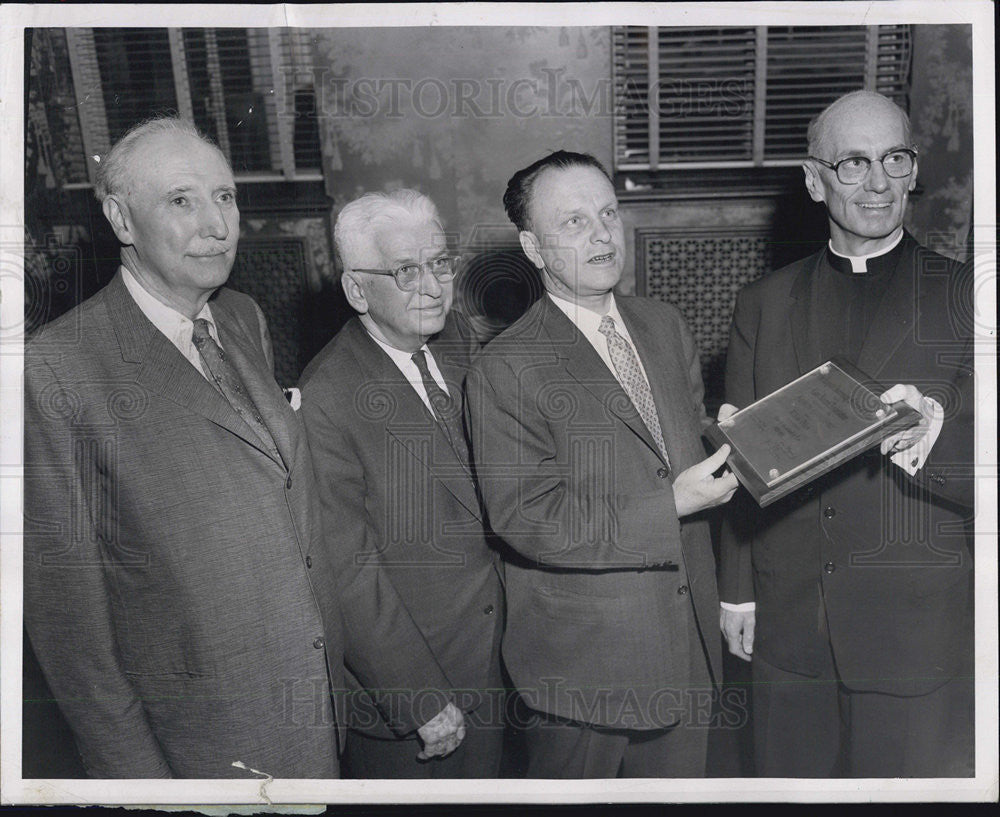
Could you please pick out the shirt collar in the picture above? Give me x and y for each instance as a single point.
(399, 357)
(586, 320)
(165, 318)
(860, 263)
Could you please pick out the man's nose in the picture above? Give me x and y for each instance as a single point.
(600, 233)
(213, 223)
(429, 284)
(876, 180)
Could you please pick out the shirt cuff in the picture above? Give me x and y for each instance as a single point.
(912, 459)
(745, 607)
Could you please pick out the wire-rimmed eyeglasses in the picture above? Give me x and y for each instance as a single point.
(897, 164)
(407, 276)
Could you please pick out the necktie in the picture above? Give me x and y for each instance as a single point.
(444, 408)
(229, 383)
(632, 380)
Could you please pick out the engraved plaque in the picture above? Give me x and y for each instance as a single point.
(806, 428)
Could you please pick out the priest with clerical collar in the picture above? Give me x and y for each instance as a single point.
(853, 597)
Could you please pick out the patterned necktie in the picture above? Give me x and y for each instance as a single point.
(444, 408)
(229, 383)
(632, 380)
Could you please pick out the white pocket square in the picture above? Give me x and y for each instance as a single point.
(294, 398)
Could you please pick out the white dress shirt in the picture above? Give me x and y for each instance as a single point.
(404, 362)
(177, 328)
(588, 322)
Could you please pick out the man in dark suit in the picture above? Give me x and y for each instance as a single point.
(586, 422)
(854, 595)
(421, 592)
(175, 588)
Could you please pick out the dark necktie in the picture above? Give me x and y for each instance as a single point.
(445, 409)
(632, 380)
(228, 381)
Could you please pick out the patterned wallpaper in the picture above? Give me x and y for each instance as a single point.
(941, 116)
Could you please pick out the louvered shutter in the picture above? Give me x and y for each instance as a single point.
(137, 80)
(251, 90)
(732, 97)
(705, 91)
(631, 87)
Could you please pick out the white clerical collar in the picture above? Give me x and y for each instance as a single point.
(859, 263)
(168, 320)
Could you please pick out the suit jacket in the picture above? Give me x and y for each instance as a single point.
(892, 552)
(422, 599)
(600, 574)
(174, 588)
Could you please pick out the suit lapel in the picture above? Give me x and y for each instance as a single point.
(164, 370)
(805, 315)
(582, 362)
(412, 414)
(662, 374)
(893, 319)
(891, 325)
(259, 382)
(452, 359)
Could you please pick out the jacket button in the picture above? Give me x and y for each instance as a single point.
(319, 643)
(288, 482)
(829, 567)
(662, 473)
(682, 590)
(309, 561)
(488, 609)
(829, 512)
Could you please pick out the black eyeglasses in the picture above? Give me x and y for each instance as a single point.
(408, 275)
(897, 164)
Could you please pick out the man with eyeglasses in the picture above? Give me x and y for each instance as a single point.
(853, 596)
(422, 600)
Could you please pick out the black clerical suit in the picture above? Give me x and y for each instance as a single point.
(862, 580)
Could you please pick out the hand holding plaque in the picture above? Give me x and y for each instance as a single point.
(806, 428)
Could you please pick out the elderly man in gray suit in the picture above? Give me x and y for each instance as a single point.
(175, 592)
(382, 405)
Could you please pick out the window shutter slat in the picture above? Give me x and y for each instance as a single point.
(137, 80)
(708, 79)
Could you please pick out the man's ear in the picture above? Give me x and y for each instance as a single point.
(354, 292)
(532, 247)
(116, 212)
(813, 184)
(913, 178)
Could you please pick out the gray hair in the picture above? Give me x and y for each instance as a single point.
(817, 127)
(113, 167)
(354, 232)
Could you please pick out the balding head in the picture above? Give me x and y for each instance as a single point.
(115, 167)
(857, 106)
(861, 130)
